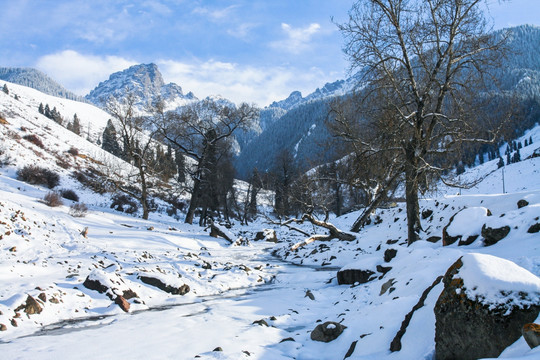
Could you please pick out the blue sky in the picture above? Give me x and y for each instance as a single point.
(246, 50)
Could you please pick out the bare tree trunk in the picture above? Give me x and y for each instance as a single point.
(193, 203)
(411, 196)
(362, 219)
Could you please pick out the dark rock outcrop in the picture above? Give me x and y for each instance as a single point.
(470, 329)
(522, 203)
(494, 235)
(389, 254)
(534, 228)
(96, 285)
(327, 332)
(32, 306)
(181, 290)
(352, 276)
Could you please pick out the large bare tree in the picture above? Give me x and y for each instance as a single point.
(201, 131)
(420, 62)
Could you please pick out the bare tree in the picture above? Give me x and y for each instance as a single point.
(420, 61)
(137, 149)
(200, 130)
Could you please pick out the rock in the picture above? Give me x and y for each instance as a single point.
(182, 290)
(522, 203)
(478, 319)
(468, 241)
(426, 213)
(218, 349)
(433, 239)
(310, 295)
(351, 276)
(387, 285)
(534, 228)
(129, 294)
(494, 235)
(287, 339)
(327, 332)
(122, 302)
(3, 327)
(14, 323)
(32, 306)
(43, 297)
(389, 254)
(267, 235)
(531, 334)
(383, 269)
(261, 322)
(465, 225)
(351, 349)
(95, 284)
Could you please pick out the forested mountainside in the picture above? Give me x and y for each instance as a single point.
(36, 79)
(301, 128)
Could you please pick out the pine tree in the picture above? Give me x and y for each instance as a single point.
(41, 109)
(47, 111)
(500, 164)
(526, 143)
(76, 126)
(109, 140)
(530, 140)
(508, 159)
(5, 89)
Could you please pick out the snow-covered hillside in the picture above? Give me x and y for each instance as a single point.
(110, 285)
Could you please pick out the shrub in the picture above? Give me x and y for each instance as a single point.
(52, 199)
(73, 151)
(94, 181)
(69, 194)
(37, 175)
(34, 139)
(121, 202)
(78, 210)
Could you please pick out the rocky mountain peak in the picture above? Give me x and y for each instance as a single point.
(145, 82)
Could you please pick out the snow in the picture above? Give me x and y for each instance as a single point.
(42, 251)
(498, 281)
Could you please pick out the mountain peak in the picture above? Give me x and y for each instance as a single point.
(145, 82)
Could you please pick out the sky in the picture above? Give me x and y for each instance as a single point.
(245, 50)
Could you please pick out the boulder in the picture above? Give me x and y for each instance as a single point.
(267, 235)
(465, 226)
(522, 203)
(531, 334)
(180, 290)
(494, 235)
(32, 306)
(95, 284)
(534, 228)
(122, 302)
(352, 276)
(327, 332)
(389, 254)
(3, 327)
(481, 309)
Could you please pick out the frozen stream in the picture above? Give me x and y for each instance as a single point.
(196, 328)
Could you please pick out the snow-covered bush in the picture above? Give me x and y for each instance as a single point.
(52, 199)
(34, 139)
(69, 194)
(78, 210)
(37, 175)
(123, 203)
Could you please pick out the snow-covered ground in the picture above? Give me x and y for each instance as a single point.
(242, 299)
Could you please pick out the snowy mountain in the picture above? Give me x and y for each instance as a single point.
(37, 80)
(145, 82)
(297, 123)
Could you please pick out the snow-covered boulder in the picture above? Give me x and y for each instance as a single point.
(483, 307)
(465, 226)
(359, 272)
(327, 332)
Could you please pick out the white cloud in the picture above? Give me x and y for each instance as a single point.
(215, 14)
(297, 39)
(261, 85)
(240, 83)
(80, 73)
